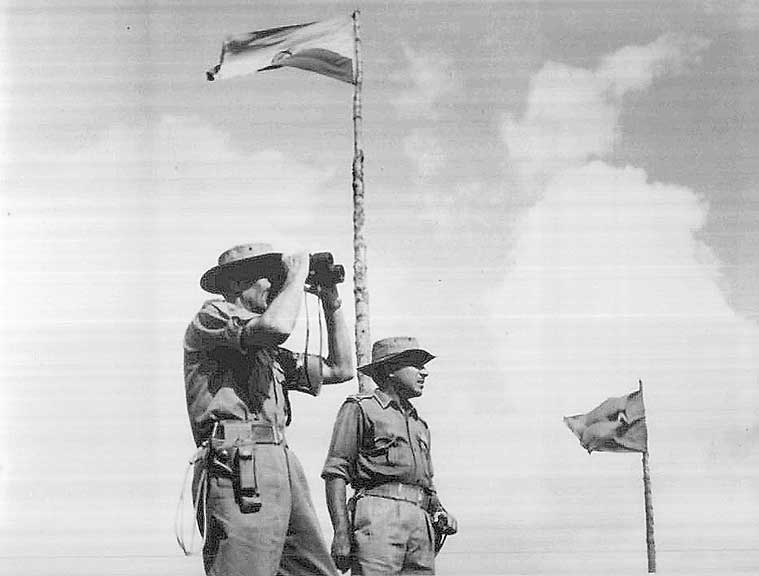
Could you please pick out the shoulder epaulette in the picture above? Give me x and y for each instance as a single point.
(359, 397)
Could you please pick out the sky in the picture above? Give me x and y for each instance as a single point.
(562, 199)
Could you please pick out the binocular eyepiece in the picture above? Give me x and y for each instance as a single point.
(322, 270)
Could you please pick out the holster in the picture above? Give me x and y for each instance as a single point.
(440, 537)
(440, 528)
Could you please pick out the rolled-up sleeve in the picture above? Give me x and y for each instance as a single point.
(346, 439)
(213, 327)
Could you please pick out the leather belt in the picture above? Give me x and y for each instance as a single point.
(233, 437)
(240, 430)
(399, 491)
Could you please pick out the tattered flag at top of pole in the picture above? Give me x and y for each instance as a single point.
(323, 47)
(616, 425)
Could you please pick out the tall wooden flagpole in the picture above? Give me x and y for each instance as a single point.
(650, 544)
(360, 290)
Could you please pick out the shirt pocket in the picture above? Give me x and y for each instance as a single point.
(381, 447)
(390, 450)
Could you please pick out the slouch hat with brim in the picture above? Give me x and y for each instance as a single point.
(255, 260)
(396, 350)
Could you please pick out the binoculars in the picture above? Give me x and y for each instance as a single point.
(322, 270)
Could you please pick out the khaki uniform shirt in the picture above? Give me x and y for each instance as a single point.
(224, 379)
(376, 441)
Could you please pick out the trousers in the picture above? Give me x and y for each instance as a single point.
(391, 537)
(283, 538)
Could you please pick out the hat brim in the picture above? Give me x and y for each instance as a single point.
(414, 356)
(217, 278)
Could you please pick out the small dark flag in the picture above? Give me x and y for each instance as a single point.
(616, 425)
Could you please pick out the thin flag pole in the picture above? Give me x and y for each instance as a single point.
(650, 544)
(360, 289)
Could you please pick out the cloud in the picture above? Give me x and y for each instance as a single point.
(105, 246)
(743, 13)
(634, 68)
(428, 77)
(165, 201)
(610, 281)
(572, 113)
(425, 151)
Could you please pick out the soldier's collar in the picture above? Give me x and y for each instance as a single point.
(382, 397)
(385, 400)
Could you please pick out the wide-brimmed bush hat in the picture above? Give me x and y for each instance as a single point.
(255, 260)
(396, 350)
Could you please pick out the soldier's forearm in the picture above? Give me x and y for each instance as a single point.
(336, 503)
(340, 349)
(277, 322)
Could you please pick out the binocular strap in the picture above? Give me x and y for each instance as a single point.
(305, 350)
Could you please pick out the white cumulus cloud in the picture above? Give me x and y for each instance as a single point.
(167, 199)
(425, 151)
(426, 77)
(609, 282)
(571, 113)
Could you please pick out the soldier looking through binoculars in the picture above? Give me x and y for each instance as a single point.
(256, 514)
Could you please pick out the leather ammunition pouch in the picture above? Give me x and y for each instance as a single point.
(246, 483)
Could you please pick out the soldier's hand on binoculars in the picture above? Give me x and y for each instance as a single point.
(327, 293)
(330, 297)
(296, 265)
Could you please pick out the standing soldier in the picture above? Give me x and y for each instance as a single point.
(394, 523)
(256, 512)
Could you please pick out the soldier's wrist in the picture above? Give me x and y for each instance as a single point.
(332, 305)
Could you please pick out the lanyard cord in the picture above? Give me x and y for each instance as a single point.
(200, 502)
(179, 517)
